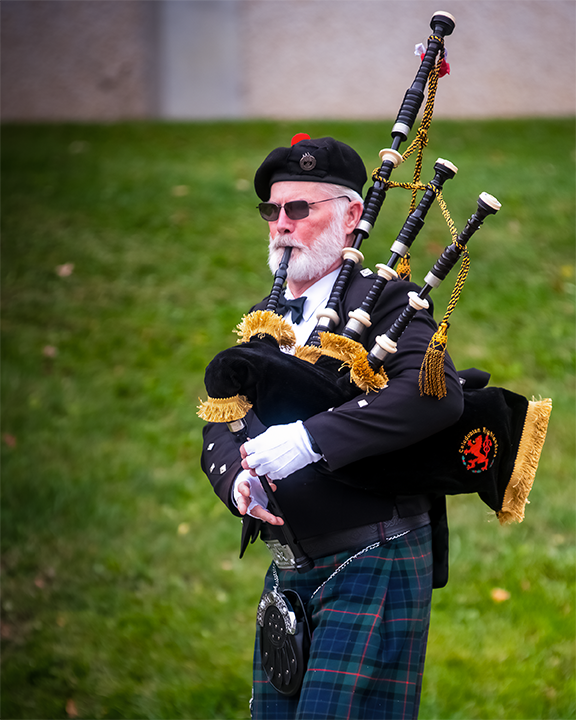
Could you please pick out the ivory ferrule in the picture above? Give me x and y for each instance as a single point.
(401, 129)
(444, 14)
(330, 315)
(350, 253)
(490, 200)
(391, 155)
(386, 272)
(416, 302)
(353, 326)
(364, 226)
(432, 280)
(448, 164)
(383, 346)
(360, 318)
(399, 248)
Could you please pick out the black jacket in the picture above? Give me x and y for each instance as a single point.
(314, 500)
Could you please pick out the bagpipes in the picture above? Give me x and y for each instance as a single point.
(494, 448)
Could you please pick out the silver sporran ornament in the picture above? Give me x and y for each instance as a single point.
(284, 640)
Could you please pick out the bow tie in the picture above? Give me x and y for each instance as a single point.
(296, 306)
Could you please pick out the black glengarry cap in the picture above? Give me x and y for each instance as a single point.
(321, 160)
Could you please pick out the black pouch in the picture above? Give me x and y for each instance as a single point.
(284, 640)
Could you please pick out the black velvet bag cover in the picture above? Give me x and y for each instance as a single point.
(280, 387)
(492, 450)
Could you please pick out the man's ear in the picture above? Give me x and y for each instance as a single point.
(353, 215)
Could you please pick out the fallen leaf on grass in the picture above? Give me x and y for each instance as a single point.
(9, 440)
(434, 248)
(499, 595)
(78, 146)
(71, 710)
(49, 351)
(5, 631)
(179, 218)
(65, 270)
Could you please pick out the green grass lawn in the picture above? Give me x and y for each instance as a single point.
(130, 252)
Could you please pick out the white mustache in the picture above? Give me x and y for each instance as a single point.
(282, 241)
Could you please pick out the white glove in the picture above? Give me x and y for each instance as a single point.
(257, 494)
(280, 451)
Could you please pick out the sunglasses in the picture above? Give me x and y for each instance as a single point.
(295, 209)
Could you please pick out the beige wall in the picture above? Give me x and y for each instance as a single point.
(355, 59)
(80, 60)
(190, 59)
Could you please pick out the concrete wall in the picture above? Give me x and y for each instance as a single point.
(77, 60)
(355, 59)
(199, 59)
(201, 66)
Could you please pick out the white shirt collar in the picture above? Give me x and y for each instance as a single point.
(317, 296)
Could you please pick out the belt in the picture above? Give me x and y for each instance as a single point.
(350, 540)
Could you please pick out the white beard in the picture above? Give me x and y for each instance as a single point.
(308, 263)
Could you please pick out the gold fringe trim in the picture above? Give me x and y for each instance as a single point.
(432, 378)
(527, 459)
(365, 378)
(221, 410)
(340, 348)
(309, 353)
(354, 356)
(265, 322)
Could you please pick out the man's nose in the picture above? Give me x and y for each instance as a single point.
(284, 224)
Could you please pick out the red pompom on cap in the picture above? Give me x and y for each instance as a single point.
(298, 137)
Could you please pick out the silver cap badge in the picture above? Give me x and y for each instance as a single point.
(307, 161)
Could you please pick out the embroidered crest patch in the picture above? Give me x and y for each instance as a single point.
(478, 450)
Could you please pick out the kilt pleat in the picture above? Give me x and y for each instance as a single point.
(369, 631)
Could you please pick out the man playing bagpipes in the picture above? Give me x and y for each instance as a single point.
(337, 431)
(367, 598)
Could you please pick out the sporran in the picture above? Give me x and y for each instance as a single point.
(284, 639)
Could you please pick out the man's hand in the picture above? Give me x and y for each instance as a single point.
(279, 451)
(251, 499)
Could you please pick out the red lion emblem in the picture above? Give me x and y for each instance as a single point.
(478, 450)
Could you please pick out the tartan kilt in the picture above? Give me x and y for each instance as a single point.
(369, 628)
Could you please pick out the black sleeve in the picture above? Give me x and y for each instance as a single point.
(220, 459)
(397, 416)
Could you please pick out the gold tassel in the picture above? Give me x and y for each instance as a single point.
(432, 379)
(403, 268)
(220, 410)
(309, 353)
(527, 459)
(265, 322)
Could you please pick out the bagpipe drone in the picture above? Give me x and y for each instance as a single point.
(494, 448)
